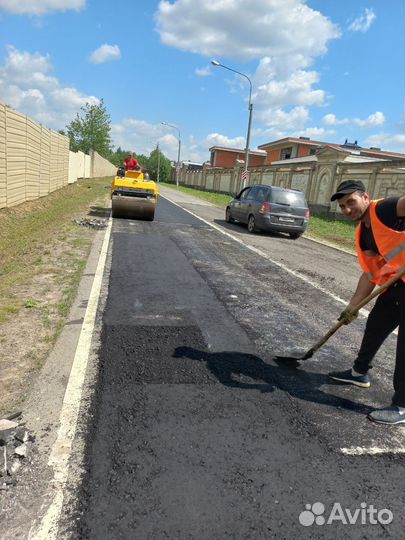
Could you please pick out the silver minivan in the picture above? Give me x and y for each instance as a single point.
(270, 208)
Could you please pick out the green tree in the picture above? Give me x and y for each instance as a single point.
(143, 161)
(164, 165)
(91, 130)
(118, 156)
(149, 164)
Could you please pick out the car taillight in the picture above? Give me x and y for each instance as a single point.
(307, 214)
(265, 208)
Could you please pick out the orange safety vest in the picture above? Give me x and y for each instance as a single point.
(391, 245)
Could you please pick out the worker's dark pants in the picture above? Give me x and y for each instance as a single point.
(387, 313)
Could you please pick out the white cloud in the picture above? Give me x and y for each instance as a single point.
(244, 29)
(216, 139)
(363, 22)
(315, 133)
(376, 119)
(276, 132)
(293, 89)
(203, 72)
(40, 7)
(389, 142)
(285, 37)
(27, 86)
(330, 120)
(268, 134)
(286, 121)
(142, 137)
(105, 53)
(284, 94)
(197, 151)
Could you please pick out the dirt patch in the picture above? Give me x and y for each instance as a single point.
(28, 335)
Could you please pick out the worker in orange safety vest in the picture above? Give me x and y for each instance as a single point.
(380, 241)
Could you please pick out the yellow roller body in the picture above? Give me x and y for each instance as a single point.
(133, 196)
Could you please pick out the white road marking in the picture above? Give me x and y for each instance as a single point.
(372, 450)
(61, 450)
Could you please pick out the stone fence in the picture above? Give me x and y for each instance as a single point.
(317, 176)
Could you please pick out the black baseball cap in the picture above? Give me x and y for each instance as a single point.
(346, 187)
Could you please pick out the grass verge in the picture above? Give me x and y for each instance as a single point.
(218, 199)
(321, 226)
(42, 256)
(30, 231)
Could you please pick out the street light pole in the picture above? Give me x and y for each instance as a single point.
(178, 152)
(250, 108)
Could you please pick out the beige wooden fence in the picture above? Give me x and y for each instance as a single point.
(100, 166)
(35, 161)
(79, 166)
(3, 167)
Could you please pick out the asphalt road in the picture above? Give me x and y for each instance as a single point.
(196, 432)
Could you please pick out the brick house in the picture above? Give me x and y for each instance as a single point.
(291, 147)
(227, 158)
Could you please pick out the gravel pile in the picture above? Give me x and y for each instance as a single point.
(94, 223)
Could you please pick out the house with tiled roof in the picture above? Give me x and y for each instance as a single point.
(292, 147)
(226, 158)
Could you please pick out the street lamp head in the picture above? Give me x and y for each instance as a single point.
(215, 63)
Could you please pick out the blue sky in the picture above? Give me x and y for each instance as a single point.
(326, 69)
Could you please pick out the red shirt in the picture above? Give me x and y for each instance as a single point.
(130, 164)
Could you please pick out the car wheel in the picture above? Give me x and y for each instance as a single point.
(251, 225)
(228, 217)
(294, 235)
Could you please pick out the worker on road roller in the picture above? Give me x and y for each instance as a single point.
(133, 196)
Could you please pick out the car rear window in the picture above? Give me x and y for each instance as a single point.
(291, 198)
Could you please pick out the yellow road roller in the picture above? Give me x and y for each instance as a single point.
(133, 196)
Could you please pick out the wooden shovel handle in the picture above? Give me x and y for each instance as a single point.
(379, 290)
(325, 338)
(358, 307)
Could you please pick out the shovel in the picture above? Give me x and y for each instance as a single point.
(336, 327)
